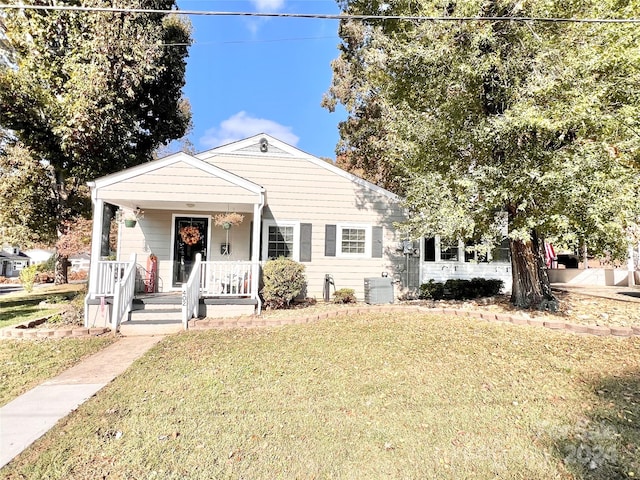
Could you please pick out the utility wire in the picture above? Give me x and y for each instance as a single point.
(320, 15)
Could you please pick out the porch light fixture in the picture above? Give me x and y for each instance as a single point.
(191, 205)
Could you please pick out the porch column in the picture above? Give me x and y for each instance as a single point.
(255, 249)
(96, 242)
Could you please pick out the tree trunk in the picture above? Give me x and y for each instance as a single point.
(531, 287)
(62, 265)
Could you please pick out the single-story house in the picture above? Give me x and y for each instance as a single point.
(224, 212)
(340, 227)
(12, 261)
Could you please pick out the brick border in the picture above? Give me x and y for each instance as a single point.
(27, 331)
(551, 324)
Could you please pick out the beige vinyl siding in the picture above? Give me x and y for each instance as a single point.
(181, 182)
(297, 190)
(300, 191)
(238, 239)
(152, 234)
(350, 272)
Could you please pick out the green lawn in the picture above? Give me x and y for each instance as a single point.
(18, 307)
(26, 363)
(395, 395)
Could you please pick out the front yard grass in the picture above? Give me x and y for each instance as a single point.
(384, 395)
(18, 307)
(26, 363)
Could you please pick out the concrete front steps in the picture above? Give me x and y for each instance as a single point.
(153, 315)
(161, 314)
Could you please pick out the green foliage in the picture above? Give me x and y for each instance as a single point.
(431, 291)
(283, 279)
(86, 95)
(536, 123)
(49, 265)
(458, 289)
(28, 277)
(26, 191)
(344, 295)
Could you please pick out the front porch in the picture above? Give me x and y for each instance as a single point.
(178, 245)
(161, 313)
(214, 289)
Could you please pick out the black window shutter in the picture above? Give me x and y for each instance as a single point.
(329, 240)
(305, 242)
(376, 242)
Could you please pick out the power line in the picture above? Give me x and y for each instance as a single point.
(321, 16)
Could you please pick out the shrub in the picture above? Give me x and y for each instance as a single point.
(283, 281)
(456, 289)
(431, 291)
(79, 275)
(49, 265)
(484, 287)
(45, 277)
(344, 295)
(28, 277)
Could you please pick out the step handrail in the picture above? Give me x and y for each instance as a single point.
(191, 293)
(123, 294)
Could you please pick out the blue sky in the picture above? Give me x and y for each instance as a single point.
(248, 75)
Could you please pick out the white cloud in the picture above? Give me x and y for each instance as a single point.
(263, 6)
(241, 125)
(268, 5)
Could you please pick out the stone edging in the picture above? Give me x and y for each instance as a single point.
(557, 325)
(27, 330)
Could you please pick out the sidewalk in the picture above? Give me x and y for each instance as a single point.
(28, 417)
(621, 293)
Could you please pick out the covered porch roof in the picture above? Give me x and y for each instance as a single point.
(178, 182)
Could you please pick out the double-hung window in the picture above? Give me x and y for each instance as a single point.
(281, 240)
(354, 240)
(449, 250)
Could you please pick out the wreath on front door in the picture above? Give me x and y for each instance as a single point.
(190, 235)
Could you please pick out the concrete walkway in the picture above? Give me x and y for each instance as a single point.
(620, 293)
(28, 417)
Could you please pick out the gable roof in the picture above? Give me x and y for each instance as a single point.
(277, 148)
(175, 158)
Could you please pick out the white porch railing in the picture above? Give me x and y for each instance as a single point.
(123, 294)
(191, 293)
(109, 273)
(228, 279)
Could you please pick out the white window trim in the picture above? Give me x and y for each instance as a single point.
(296, 237)
(367, 240)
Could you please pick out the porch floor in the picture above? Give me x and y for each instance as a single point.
(175, 298)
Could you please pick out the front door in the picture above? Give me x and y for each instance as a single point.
(190, 239)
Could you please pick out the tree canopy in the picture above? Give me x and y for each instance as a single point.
(535, 122)
(86, 94)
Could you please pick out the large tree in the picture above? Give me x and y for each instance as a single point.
(532, 123)
(87, 94)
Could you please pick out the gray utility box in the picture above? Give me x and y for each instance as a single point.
(378, 290)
